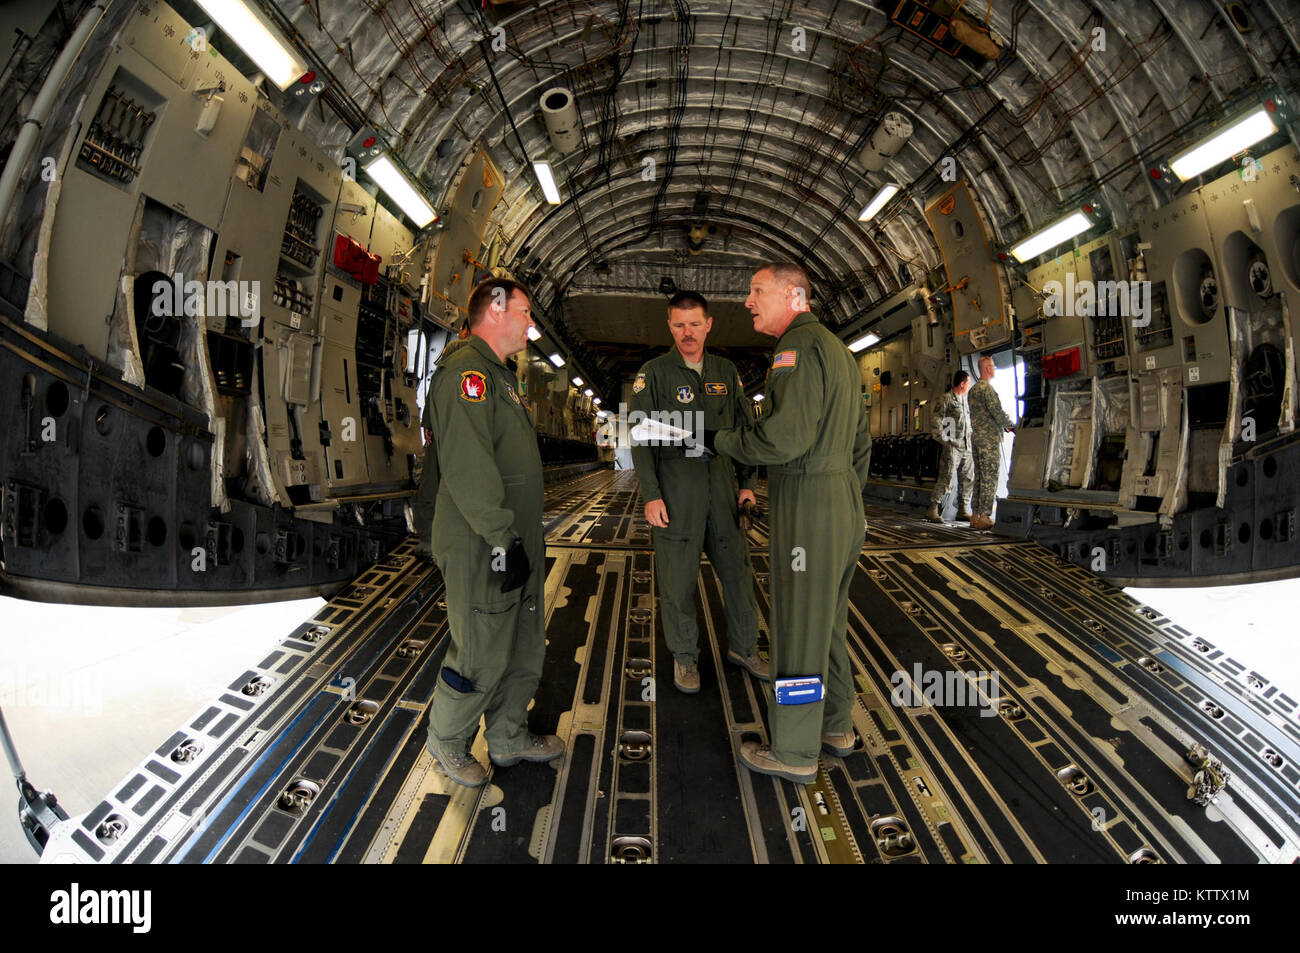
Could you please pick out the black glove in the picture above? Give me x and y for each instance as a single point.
(517, 566)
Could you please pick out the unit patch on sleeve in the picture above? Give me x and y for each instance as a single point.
(473, 387)
(638, 385)
(685, 395)
(784, 359)
(715, 390)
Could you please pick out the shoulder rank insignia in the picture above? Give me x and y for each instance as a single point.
(716, 390)
(638, 385)
(473, 386)
(784, 359)
(685, 395)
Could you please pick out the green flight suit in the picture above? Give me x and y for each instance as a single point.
(700, 495)
(489, 492)
(816, 443)
(422, 509)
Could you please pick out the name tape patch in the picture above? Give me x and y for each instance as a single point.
(715, 390)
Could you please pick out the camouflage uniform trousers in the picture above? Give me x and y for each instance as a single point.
(952, 460)
(987, 453)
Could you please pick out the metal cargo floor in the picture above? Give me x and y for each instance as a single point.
(316, 753)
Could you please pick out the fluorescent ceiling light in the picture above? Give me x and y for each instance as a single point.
(596, 401)
(1051, 236)
(556, 360)
(257, 38)
(758, 397)
(864, 342)
(399, 188)
(547, 180)
(588, 392)
(1224, 144)
(533, 333)
(577, 382)
(882, 197)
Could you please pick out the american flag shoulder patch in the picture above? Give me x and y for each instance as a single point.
(784, 359)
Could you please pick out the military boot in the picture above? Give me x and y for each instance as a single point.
(932, 514)
(536, 748)
(841, 745)
(759, 759)
(963, 516)
(686, 677)
(750, 663)
(461, 766)
(981, 522)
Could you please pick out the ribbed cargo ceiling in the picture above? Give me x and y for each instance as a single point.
(760, 138)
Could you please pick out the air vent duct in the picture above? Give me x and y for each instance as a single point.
(561, 115)
(890, 136)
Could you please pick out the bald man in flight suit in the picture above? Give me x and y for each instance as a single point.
(817, 449)
(487, 540)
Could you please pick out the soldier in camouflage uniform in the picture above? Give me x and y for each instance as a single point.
(950, 426)
(988, 422)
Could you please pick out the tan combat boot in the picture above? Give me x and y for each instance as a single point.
(461, 766)
(932, 514)
(540, 748)
(841, 745)
(759, 759)
(686, 677)
(750, 663)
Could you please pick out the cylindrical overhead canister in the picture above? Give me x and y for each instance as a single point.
(890, 136)
(561, 115)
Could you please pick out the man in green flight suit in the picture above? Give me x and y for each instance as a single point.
(487, 539)
(988, 422)
(690, 498)
(817, 447)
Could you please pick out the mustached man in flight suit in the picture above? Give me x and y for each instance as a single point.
(487, 540)
(950, 426)
(817, 448)
(691, 498)
(988, 422)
